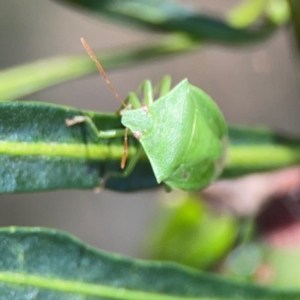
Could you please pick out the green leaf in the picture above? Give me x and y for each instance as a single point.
(278, 11)
(284, 262)
(249, 11)
(24, 80)
(259, 149)
(39, 152)
(29, 78)
(186, 231)
(38, 263)
(246, 13)
(169, 16)
(295, 13)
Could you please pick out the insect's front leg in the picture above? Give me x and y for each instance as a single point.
(146, 89)
(125, 173)
(98, 133)
(163, 87)
(132, 98)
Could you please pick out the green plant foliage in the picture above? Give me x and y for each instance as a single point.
(29, 78)
(295, 13)
(169, 16)
(283, 264)
(47, 264)
(247, 12)
(23, 80)
(259, 149)
(187, 232)
(39, 152)
(279, 11)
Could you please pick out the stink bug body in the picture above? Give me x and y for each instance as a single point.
(182, 132)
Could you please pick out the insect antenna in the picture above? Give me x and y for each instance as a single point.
(101, 70)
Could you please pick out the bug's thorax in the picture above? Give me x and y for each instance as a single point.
(139, 121)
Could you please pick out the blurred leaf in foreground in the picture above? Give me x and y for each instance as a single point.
(169, 16)
(23, 80)
(250, 11)
(246, 13)
(190, 233)
(47, 264)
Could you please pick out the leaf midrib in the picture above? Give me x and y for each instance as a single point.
(77, 287)
(73, 150)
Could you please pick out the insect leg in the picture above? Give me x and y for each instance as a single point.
(125, 173)
(147, 89)
(130, 166)
(126, 100)
(99, 133)
(164, 86)
(132, 98)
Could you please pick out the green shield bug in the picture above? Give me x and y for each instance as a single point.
(182, 132)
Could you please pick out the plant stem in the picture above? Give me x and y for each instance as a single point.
(295, 17)
(21, 81)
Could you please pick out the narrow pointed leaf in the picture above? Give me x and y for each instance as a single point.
(295, 13)
(24, 80)
(39, 152)
(38, 263)
(246, 12)
(259, 149)
(169, 16)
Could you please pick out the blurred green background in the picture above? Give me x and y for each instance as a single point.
(254, 84)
